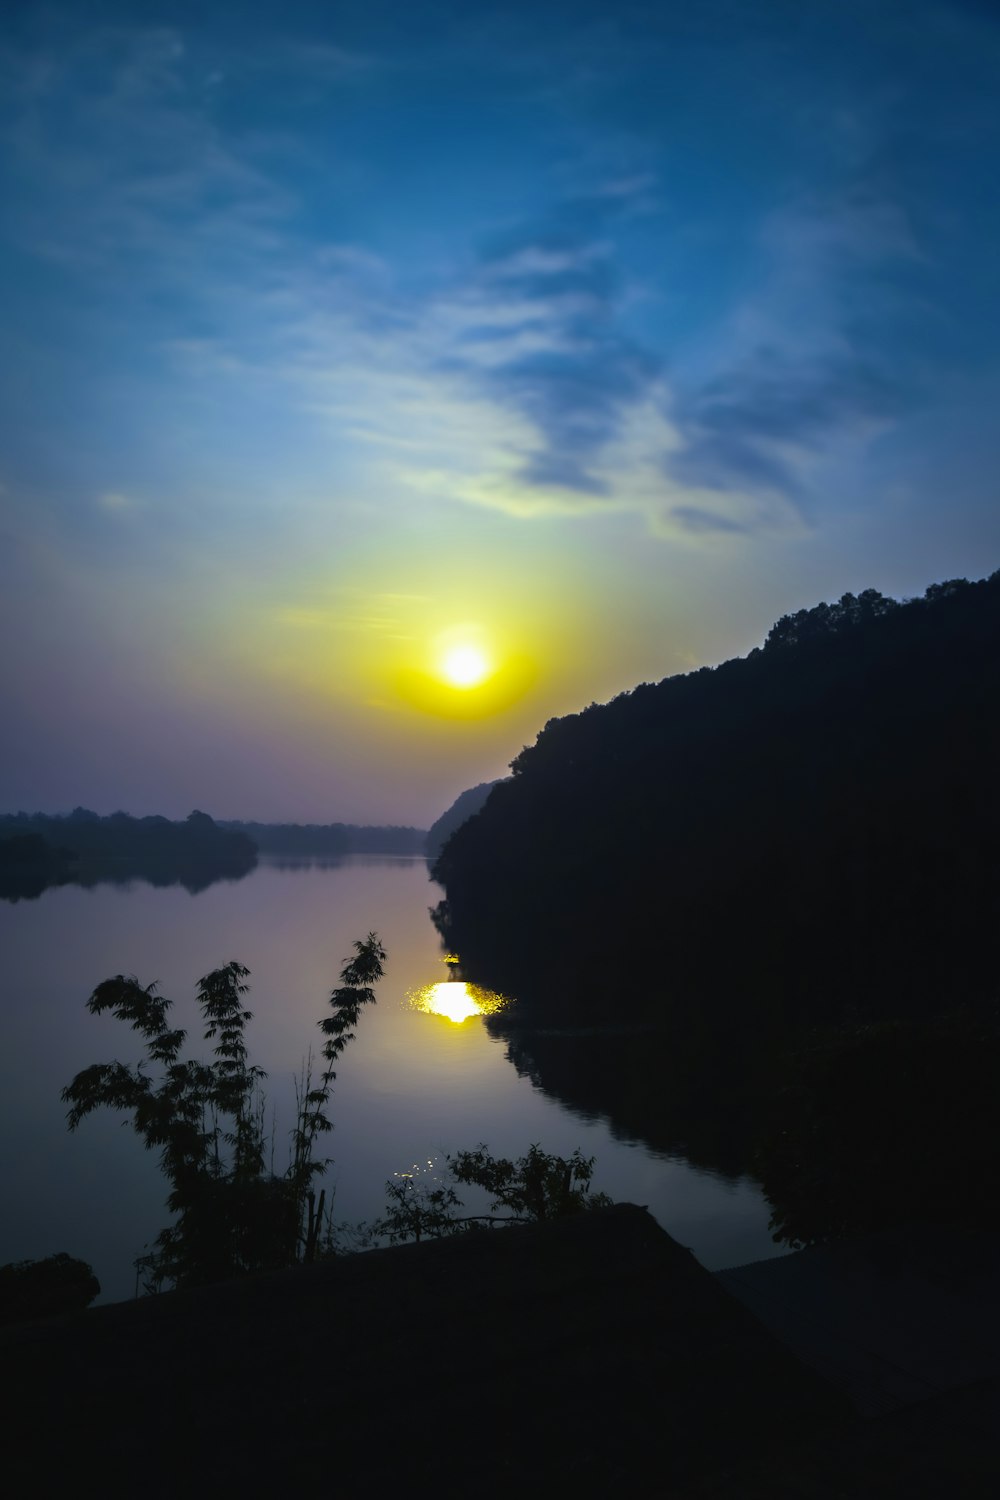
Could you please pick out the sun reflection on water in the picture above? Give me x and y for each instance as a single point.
(455, 1000)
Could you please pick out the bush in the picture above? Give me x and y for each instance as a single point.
(207, 1122)
(42, 1288)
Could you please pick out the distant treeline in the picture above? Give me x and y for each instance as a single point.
(807, 834)
(29, 863)
(330, 838)
(39, 849)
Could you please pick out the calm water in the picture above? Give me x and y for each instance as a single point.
(411, 1087)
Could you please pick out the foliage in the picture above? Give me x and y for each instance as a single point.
(828, 619)
(42, 1288)
(877, 1126)
(233, 1215)
(536, 1186)
(419, 1205)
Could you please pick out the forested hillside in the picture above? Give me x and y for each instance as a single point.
(465, 806)
(806, 835)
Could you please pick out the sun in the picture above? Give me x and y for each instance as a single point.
(465, 666)
(469, 670)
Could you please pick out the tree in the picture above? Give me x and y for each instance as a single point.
(418, 1206)
(207, 1122)
(43, 1288)
(534, 1187)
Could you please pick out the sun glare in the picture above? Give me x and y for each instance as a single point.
(470, 670)
(465, 666)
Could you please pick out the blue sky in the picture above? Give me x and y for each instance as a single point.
(605, 336)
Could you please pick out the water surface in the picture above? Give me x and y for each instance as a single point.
(413, 1086)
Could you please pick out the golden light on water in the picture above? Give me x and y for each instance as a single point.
(456, 1000)
(450, 999)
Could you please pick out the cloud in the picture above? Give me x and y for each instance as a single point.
(114, 503)
(525, 394)
(516, 377)
(813, 362)
(696, 520)
(860, 223)
(118, 152)
(766, 421)
(349, 610)
(514, 388)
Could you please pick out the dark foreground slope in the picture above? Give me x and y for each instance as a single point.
(592, 1353)
(582, 1357)
(807, 835)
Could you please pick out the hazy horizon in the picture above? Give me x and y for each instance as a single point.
(382, 382)
(150, 812)
(318, 818)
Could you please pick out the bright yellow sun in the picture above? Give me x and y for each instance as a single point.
(469, 670)
(465, 666)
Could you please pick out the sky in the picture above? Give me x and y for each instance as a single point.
(381, 381)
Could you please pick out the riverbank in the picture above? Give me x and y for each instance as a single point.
(585, 1353)
(592, 1353)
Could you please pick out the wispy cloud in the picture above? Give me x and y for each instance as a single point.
(114, 503)
(513, 387)
(512, 378)
(512, 383)
(118, 153)
(800, 371)
(355, 611)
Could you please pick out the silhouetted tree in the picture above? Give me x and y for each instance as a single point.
(419, 1205)
(207, 1122)
(536, 1186)
(43, 1288)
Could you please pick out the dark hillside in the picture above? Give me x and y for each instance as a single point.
(806, 835)
(465, 806)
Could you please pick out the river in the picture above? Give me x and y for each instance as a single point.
(413, 1086)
